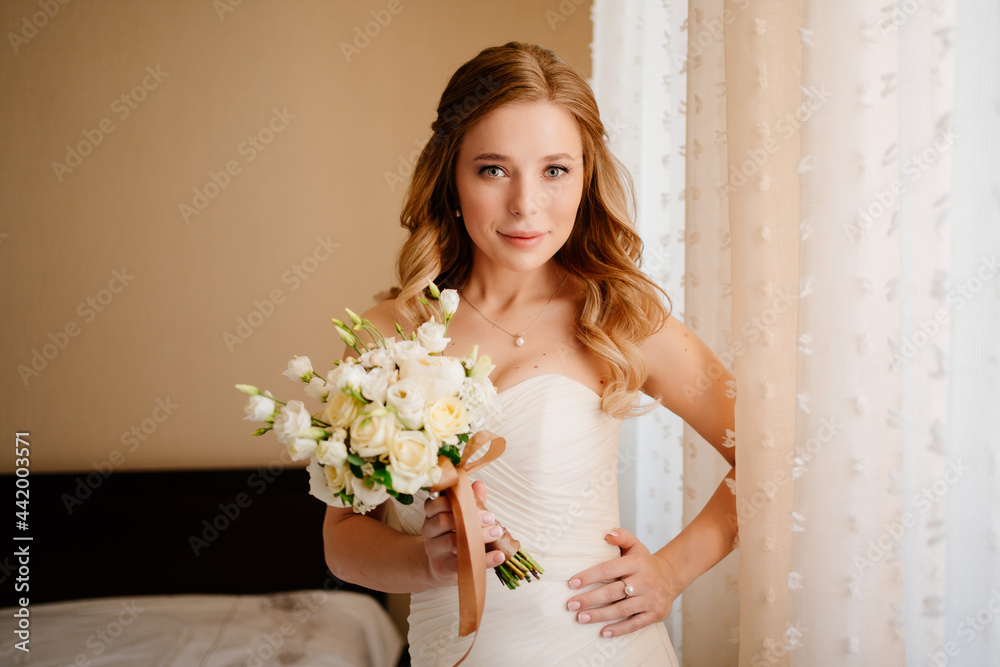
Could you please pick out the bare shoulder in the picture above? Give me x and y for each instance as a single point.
(677, 358)
(384, 316)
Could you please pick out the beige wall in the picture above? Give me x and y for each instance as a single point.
(102, 272)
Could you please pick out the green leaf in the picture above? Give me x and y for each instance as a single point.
(354, 459)
(383, 477)
(464, 437)
(404, 498)
(451, 451)
(356, 471)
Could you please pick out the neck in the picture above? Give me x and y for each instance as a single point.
(500, 288)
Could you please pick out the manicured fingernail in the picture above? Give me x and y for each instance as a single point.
(584, 618)
(607, 634)
(496, 531)
(613, 534)
(574, 605)
(488, 519)
(501, 559)
(574, 583)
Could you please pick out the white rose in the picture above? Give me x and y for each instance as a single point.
(317, 389)
(371, 436)
(346, 375)
(332, 452)
(405, 350)
(260, 408)
(367, 498)
(407, 398)
(437, 376)
(299, 369)
(411, 458)
(431, 337)
(325, 481)
(445, 419)
(449, 301)
(376, 383)
(341, 410)
(292, 421)
(301, 448)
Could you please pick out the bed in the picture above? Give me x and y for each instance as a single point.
(204, 568)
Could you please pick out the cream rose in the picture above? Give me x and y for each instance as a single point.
(292, 421)
(411, 458)
(407, 398)
(371, 436)
(332, 452)
(445, 419)
(437, 376)
(431, 336)
(341, 410)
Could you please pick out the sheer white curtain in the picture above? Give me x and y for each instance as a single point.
(841, 246)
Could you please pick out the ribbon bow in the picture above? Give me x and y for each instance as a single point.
(455, 484)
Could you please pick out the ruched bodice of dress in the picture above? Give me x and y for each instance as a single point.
(555, 489)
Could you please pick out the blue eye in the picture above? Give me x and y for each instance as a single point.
(492, 170)
(556, 171)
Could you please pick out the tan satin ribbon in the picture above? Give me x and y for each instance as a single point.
(455, 484)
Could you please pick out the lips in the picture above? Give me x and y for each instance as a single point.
(522, 239)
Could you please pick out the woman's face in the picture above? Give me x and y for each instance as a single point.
(519, 176)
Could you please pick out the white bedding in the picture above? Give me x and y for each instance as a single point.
(322, 628)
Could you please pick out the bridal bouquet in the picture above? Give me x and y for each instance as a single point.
(390, 418)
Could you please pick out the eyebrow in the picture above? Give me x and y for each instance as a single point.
(501, 158)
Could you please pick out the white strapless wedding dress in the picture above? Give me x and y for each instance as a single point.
(556, 490)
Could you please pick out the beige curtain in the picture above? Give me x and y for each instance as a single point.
(842, 239)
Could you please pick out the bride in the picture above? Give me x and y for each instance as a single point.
(517, 202)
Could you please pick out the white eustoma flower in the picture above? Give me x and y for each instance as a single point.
(299, 369)
(431, 336)
(411, 458)
(293, 421)
(406, 350)
(325, 481)
(260, 408)
(449, 301)
(375, 357)
(301, 448)
(317, 389)
(407, 398)
(347, 375)
(376, 383)
(367, 498)
(437, 376)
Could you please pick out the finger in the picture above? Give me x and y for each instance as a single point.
(608, 593)
(479, 489)
(439, 524)
(494, 558)
(437, 506)
(606, 571)
(631, 624)
(613, 612)
(622, 539)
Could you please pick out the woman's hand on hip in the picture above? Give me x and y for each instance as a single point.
(636, 589)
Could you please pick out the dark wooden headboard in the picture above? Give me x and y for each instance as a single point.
(151, 533)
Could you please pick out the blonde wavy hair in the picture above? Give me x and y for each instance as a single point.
(621, 306)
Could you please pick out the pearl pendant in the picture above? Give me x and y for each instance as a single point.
(519, 341)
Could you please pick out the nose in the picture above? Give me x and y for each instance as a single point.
(525, 197)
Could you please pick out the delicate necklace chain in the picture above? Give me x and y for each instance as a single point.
(518, 337)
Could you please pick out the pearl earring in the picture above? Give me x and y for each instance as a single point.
(458, 213)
